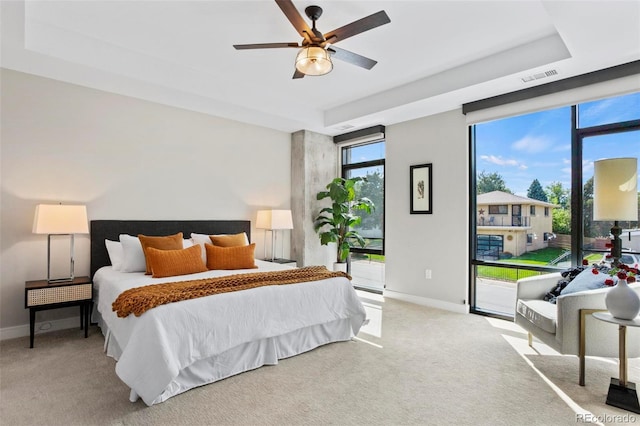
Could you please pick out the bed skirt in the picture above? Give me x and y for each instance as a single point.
(245, 357)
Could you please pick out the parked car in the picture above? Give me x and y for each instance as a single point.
(628, 259)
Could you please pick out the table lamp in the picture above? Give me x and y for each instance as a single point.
(58, 219)
(273, 220)
(615, 196)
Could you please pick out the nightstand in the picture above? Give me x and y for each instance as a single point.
(41, 295)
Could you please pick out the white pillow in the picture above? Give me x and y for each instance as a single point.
(186, 243)
(203, 239)
(133, 259)
(116, 255)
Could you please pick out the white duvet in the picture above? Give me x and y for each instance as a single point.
(154, 350)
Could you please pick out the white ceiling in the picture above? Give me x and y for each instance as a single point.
(432, 57)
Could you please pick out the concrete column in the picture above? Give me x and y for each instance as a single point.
(314, 163)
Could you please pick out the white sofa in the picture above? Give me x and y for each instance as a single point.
(559, 325)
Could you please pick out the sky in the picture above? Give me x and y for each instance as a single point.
(538, 145)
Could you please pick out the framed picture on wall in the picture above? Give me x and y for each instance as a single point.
(421, 189)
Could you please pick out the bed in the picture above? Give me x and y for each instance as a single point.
(175, 347)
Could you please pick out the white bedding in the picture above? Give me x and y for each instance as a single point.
(175, 347)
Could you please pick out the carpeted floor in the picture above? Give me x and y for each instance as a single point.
(428, 367)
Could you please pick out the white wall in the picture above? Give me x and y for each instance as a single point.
(125, 159)
(439, 241)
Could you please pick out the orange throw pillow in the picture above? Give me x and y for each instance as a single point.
(169, 263)
(170, 242)
(231, 240)
(231, 257)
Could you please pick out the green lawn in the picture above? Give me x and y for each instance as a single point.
(504, 274)
(540, 257)
(367, 256)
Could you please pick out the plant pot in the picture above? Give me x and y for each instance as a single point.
(340, 266)
(622, 302)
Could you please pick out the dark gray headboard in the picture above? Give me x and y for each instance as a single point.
(111, 230)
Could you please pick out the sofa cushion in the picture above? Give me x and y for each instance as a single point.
(589, 279)
(539, 312)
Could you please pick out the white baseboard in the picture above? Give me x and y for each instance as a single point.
(425, 301)
(40, 327)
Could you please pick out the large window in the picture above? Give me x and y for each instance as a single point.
(545, 160)
(367, 160)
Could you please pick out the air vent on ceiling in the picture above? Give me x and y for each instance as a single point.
(539, 75)
(344, 127)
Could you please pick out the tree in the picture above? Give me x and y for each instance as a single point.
(561, 221)
(373, 189)
(536, 192)
(488, 182)
(556, 194)
(591, 228)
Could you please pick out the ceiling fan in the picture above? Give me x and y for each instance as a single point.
(316, 48)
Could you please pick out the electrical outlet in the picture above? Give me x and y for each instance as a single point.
(427, 274)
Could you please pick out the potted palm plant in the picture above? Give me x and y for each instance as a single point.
(333, 224)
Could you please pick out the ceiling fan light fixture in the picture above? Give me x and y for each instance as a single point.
(313, 60)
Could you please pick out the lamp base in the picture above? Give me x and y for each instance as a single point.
(624, 397)
(282, 261)
(616, 244)
(60, 280)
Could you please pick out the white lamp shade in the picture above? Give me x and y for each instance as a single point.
(615, 189)
(274, 219)
(313, 60)
(59, 219)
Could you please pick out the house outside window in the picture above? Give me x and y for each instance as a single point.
(532, 210)
(546, 211)
(513, 229)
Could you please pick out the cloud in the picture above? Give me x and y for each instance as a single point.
(532, 144)
(499, 161)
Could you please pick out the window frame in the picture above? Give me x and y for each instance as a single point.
(498, 209)
(576, 202)
(345, 168)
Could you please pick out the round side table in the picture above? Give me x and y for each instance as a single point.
(622, 393)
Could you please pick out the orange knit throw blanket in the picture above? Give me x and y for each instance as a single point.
(140, 299)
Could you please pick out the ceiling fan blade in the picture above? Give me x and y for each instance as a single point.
(298, 74)
(357, 27)
(264, 45)
(295, 18)
(352, 58)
